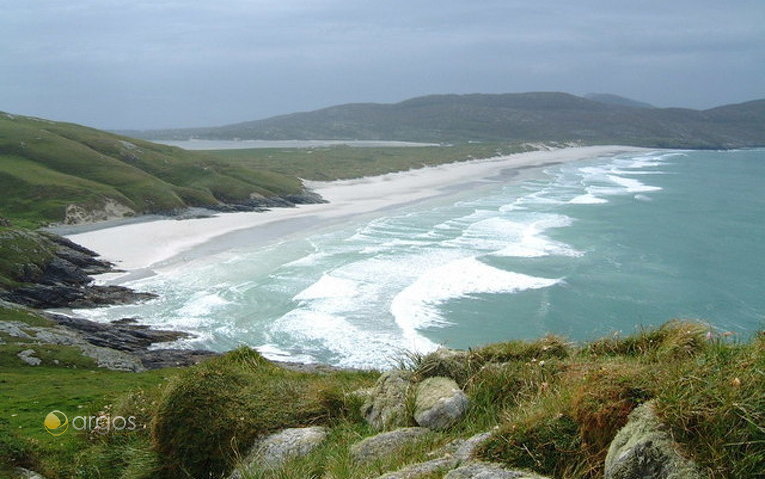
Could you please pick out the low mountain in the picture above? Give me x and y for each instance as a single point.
(609, 99)
(540, 116)
(62, 172)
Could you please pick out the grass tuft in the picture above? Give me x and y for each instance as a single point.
(674, 339)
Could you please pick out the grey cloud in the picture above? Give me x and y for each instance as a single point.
(144, 64)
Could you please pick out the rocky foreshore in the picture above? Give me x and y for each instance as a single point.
(263, 203)
(119, 346)
(58, 276)
(42, 270)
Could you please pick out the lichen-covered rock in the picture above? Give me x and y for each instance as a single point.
(27, 474)
(642, 449)
(385, 443)
(15, 329)
(274, 450)
(454, 454)
(439, 403)
(277, 448)
(28, 356)
(466, 449)
(422, 469)
(486, 470)
(385, 407)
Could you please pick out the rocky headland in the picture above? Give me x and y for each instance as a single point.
(43, 271)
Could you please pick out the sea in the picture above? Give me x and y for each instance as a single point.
(582, 249)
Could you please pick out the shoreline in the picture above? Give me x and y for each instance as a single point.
(138, 247)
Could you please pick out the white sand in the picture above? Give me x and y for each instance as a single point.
(143, 245)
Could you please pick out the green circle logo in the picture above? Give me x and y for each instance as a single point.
(56, 423)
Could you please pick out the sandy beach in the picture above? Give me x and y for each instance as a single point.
(141, 247)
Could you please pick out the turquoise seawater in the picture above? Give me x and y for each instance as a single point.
(581, 249)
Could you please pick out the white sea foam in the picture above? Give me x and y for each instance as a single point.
(275, 353)
(349, 344)
(328, 287)
(587, 199)
(416, 307)
(202, 304)
(523, 237)
(632, 185)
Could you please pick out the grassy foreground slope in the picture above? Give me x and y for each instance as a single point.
(49, 169)
(537, 116)
(552, 406)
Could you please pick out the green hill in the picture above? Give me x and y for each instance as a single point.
(61, 172)
(541, 116)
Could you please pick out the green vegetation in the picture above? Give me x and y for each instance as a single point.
(521, 117)
(23, 254)
(211, 414)
(47, 166)
(556, 406)
(345, 162)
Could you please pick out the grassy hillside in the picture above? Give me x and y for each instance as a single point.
(552, 406)
(540, 116)
(344, 162)
(47, 167)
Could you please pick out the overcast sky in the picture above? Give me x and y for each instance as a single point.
(161, 63)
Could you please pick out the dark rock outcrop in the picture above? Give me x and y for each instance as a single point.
(305, 198)
(125, 337)
(135, 339)
(172, 358)
(78, 255)
(64, 279)
(121, 346)
(263, 203)
(58, 295)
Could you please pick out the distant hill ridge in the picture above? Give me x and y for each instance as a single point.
(617, 100)
(536, 116)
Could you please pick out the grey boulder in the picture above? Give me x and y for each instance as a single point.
(273, 451)
(486, 470)
(385, 406)
(439, 403)
(386, 443)
(454, 454)
(28, 356)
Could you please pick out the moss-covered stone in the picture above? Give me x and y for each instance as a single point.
(643, 449)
